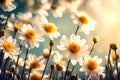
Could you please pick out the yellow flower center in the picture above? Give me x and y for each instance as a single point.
(91, 64)
(83, 19)
(114, 56)
(74, 47)
(35, 77)
(20, 63)
(16, 27)
(35, 64)
(3, 32)
(54, 6)
(59, 66)
(50, 28)
(24, 21)
(46, 54)
(4, 1)
(9, 47)
(30, 34)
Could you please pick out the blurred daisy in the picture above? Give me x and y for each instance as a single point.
(49, 29)
(8, 45)
(113, 57)
(13, 27)
(70, 6)
(57, 10)
(41, 12)
(7, 5)
(36, 63)
(59, 62)
(45, 54)
(3, 19)
(75, 47)
(38, 76)
(91, 68)
(30, 37)
(25, 17)
(83, 20)
(20, 61)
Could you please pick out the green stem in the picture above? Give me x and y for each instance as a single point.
(67, 69)
(24, 63)
(47, 62)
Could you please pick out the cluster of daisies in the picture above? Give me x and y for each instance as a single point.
(22, 32)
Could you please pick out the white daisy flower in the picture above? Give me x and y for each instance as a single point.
(36, 63)
(8, 45)
(20, 61)
(37, 76)
(7, 5)
(75, 47)
(113, 57)
(13, 27)
(70, 6)
(41, 12)
(3, 19)
(92, 68)
(49, 29)
(59, 61)
(25, 17)
(57, 10)
(84, 21)
(30, 37)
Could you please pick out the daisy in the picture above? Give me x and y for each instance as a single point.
(41, 11)
(113, 57)
(36, 63)
(70, 6)
(57, 10)
(59, 61)
(84, 21)
(20, 61)
(92, 68)
(7, 5)
(8, 45)
(25, 17)
(75, 48)
(37, 76)
(3, 19)
(49, 29)
(13, 27)
(30, 37)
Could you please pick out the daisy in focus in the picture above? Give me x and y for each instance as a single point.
(75, 48)
(8, 45)
(49, 29)
(29, 36)
(84, 22)
(7, 5)
(92, 68)
(36, 63)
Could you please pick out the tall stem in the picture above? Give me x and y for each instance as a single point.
(67, 69)
(6, 21)
(116, 64)
(77, 29)
(51, 46)
(24, 63)
(92, 48)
